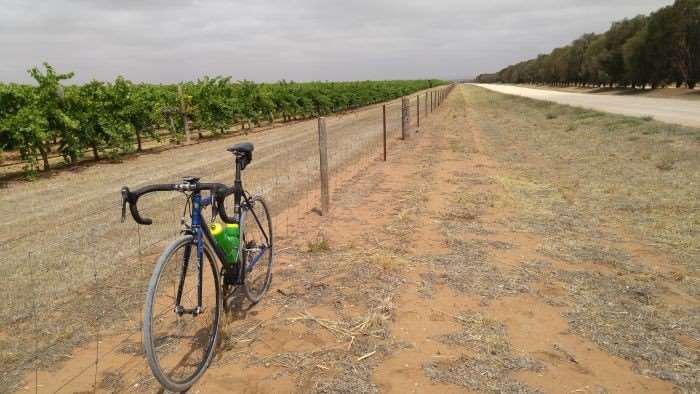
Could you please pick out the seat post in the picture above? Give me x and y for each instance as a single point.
(237, 190)
(238, 169)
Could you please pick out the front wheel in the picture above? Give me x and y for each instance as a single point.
(256, 248)
(179, 333)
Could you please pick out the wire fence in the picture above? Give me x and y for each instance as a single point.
(74, 277)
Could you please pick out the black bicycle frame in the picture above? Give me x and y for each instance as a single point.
(200, 230)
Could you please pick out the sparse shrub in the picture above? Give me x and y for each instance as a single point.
(30, 173)
(318, 245)
(647, 118)
(666, 163)
(388, 262)
(551, 115)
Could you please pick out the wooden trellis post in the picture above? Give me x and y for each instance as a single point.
(404, 118)
(426, 104)
(323, 165)
(417, 112)
(384, 128)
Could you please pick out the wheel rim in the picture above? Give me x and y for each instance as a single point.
(182, 344)
(257, 249)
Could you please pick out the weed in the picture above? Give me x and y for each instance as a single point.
(30, 173)
(319, 245)
(388, 262)
(666, 163)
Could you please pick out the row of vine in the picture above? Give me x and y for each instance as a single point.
(113, 118)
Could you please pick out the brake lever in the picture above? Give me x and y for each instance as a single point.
(214, 208)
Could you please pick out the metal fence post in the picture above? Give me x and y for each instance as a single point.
(323, 165)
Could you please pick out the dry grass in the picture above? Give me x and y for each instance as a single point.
(626, 316)
(491, 360)
(233, 336)
(583, 251)
(319, 245)
(362, 342)
(581, 182)
(366, 276)
(325, 371)
(372, 324)
(388, 262)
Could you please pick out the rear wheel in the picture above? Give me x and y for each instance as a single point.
(256, 248)
(179, 346)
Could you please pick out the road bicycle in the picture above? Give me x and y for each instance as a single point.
(183, 305)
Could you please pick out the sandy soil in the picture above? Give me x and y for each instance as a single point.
(684, 112)
(64, 251)
(430, 277)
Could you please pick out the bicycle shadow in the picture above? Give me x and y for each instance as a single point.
(237, 306)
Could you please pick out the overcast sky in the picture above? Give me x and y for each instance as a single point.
(267, 40)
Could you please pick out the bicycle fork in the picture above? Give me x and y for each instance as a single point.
(199, 243)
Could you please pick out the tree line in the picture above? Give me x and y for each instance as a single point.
(653, 51)
(113, 118)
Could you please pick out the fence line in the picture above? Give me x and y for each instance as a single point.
(87, 280)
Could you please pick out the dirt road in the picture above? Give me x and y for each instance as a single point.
(682, 112)
(496, 251)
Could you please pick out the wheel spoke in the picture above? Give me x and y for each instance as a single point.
(180, 345)
(258, 250)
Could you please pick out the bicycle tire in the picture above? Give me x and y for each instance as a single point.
(255, 295)
(148, 338)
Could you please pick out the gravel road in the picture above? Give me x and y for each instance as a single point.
(676, 111)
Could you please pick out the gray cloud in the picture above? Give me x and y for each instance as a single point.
(267, 40)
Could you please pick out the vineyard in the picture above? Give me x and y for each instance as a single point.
(656, 50)
(108, 119)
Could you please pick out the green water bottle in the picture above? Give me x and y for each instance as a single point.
(228, 238)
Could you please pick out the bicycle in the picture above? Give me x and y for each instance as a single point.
(188, 312)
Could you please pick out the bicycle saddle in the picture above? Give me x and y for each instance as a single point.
(243, 152)
(243, 147)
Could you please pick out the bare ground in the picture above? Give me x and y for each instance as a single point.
(509, 246)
